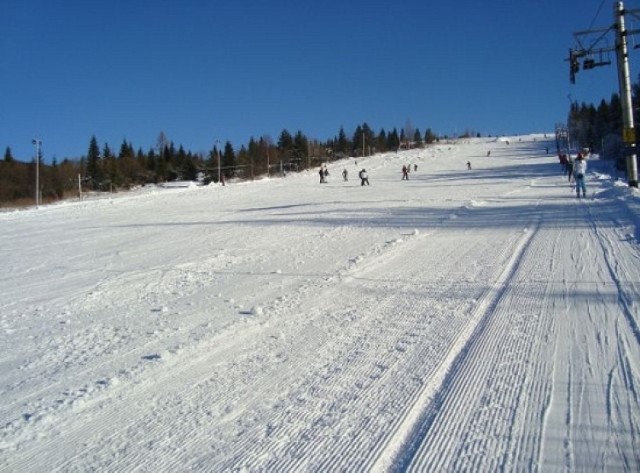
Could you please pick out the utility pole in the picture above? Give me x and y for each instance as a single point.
(38, 143)
(218, 153)
(624, 81)
(628, 132)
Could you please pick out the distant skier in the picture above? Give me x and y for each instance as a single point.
(415, 168)
(469, 165)
(322, 179)
(563, 162)
(580, 170)
(405, 173)
(364, 177)
(488, 153)
(345, 174)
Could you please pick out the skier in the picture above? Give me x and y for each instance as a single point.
(580, 169)
(321, 172)
(469, 165)
(364, 178)
(345, 174)
(405, 173)
(415, 167)
(564, 162)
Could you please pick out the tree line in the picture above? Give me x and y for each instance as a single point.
(600, 128)
(107, 169)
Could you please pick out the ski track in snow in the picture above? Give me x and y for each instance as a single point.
(483, 320)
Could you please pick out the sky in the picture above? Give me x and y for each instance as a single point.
(229, 70)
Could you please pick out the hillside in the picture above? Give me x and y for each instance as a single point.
(479, 319)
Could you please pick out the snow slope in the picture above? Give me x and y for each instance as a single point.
(461, 320)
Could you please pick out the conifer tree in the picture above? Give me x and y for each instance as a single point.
(363, 140)
(228, 160)
(381, 141)
(285, 144)
(300, 148)
(8, 157)
(94, 171)
(342, 144)
(393, 140)
(253, 155)
(429, 136)
(417, 138)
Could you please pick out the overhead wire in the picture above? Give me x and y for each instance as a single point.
(596, 15)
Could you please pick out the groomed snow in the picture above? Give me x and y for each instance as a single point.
(464, 320)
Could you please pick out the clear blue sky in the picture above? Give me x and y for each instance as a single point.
(202, 71)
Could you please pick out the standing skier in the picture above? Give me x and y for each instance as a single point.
(364, 177)
(580, 170)
(405, 173)
(570, 167)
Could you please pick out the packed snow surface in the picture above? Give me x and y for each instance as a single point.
(481, 320)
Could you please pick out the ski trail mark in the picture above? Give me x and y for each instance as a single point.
(416, 422)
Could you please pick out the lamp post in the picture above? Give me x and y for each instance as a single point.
(38, 143)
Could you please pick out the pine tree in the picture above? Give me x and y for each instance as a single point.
(8, 157)
(429, 136)
(358, 142)
(369, 139)
(253, 156)
(94, 171)
(393, 141)
(300, 149)
(228, 160)
(126, 150)
(111, 167)
(417, 138)
(342, 144)
(381, 141)
(285, 145)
